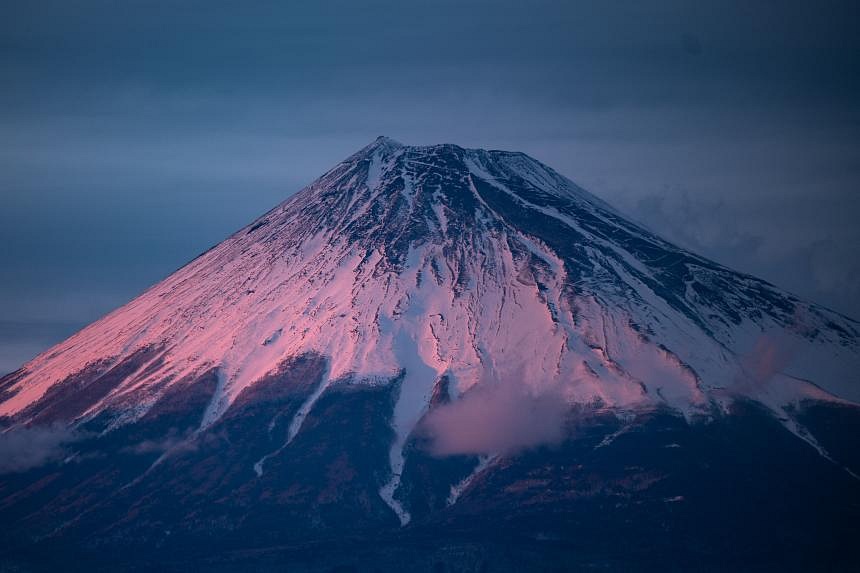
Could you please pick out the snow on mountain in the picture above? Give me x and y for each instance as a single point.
(412, 263)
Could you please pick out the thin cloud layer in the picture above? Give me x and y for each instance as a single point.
(23, 449)
(497, 418)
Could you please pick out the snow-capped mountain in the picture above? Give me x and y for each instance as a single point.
(403, 283)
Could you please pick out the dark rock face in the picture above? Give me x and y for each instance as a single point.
(66, 401)
(156, 479)
(427, 480)
(653, 494)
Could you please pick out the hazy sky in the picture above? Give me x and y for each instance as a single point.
(136, 134)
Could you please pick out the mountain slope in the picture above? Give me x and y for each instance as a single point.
(458, 307)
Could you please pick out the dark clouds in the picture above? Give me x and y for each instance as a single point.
(135, 135)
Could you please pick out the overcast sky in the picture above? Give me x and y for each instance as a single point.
(136, 134)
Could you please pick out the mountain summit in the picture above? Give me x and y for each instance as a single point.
(382, 348)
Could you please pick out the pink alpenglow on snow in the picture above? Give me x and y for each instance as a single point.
(406, 264)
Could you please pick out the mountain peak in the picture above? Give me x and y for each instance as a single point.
(384, 139)
(382, 144)
(471, 301)
(466, 263)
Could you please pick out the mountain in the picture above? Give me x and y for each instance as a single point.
(447, 357)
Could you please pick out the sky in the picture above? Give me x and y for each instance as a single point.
(134, 135)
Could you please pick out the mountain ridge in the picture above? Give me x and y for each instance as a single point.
(385, 148)
(430, 340)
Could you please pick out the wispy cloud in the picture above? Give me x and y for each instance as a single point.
(22, 449)
(501, 417)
